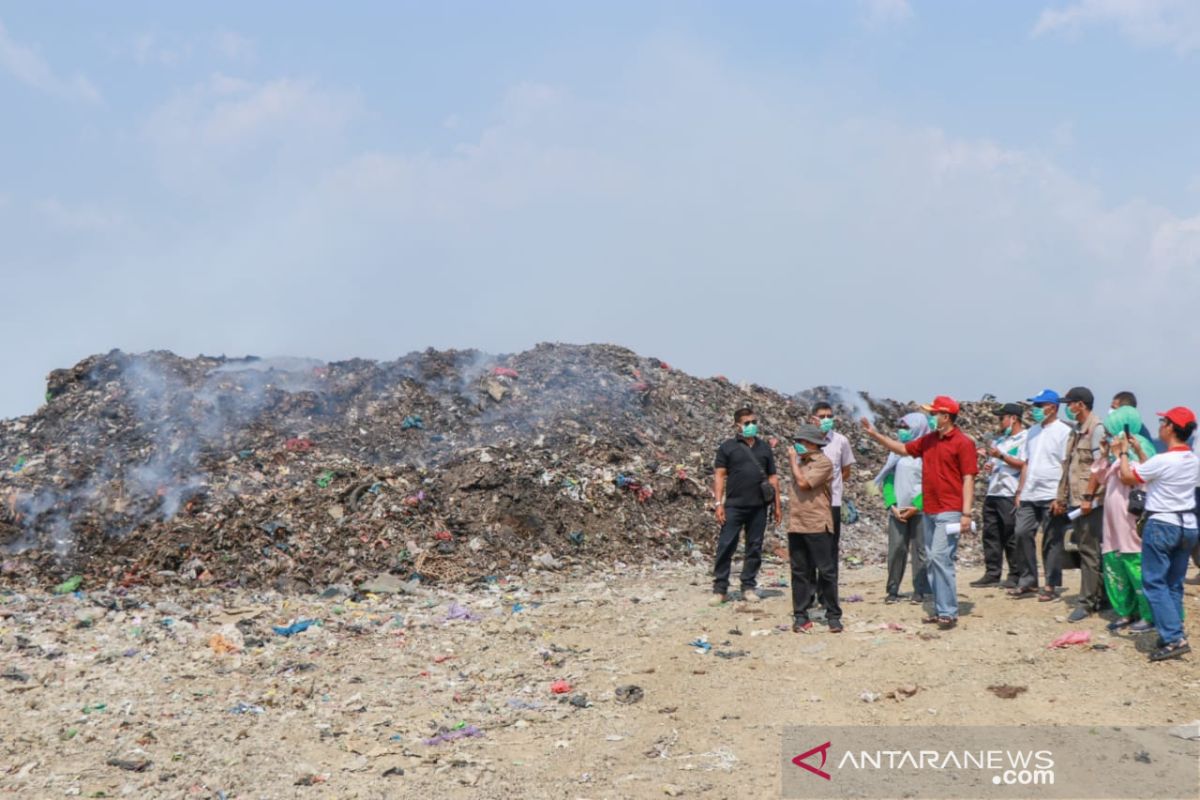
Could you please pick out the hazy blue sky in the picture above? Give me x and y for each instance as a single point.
(901, 196)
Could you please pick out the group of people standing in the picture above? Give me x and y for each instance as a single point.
(1104, 498)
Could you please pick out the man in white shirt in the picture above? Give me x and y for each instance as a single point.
(1007, 457)
(1036, 499)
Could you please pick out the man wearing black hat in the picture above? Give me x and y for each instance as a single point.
(1007, 457)
(1078, 490)
(811, 547)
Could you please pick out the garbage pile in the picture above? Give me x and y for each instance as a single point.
(439, 466)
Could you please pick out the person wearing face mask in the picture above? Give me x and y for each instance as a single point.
(838, 448)
(899, 483)
(1121, 543)
(1036, 498)
(811, 552)
(948, 472)
(1170, 532)
(742, 466)
(1079, 489)
(1128, 399)
(1006, 458)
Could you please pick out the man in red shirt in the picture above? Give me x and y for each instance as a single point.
(948, 483)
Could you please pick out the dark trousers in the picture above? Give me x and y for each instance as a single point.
(1031, 516)
(906, 540)
(999, 538)
(837, 550)
(814, 573)
(754, 521)
(1089, 529)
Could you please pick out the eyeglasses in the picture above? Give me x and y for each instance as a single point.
(1164, 421)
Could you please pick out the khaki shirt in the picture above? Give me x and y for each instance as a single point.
(1082, 451)
(810, 510)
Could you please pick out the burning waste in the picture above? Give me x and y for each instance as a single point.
(443, 466)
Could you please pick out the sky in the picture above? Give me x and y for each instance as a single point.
(909, 198)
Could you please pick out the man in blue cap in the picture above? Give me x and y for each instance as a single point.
(1037, 498)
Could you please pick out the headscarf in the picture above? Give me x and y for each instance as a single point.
(919, 425)
(1128, 417)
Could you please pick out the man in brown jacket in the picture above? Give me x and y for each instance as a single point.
(811, 547)
(1079, 490)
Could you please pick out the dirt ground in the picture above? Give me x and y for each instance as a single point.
(89, 695)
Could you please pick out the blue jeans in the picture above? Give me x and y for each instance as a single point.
(1165, 550)
(941, 549)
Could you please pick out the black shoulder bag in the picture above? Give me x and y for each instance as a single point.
(764, 486)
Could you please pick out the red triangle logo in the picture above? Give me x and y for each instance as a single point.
(823, 749)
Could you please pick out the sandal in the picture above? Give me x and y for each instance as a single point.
(1174, 650)
(1046, 597)
(931, 620)
(946, 623)
(1027, 591)
(1120, 622)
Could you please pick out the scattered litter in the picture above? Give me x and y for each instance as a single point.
(69, 585)
(1007, 691)
(523, 705)
(731, 653)
(1070, 638)
(464, 732)
(629, 694)
(560, 687)
(247, 708)
(14, 674)
(903, 692)
(1189, 731)
(869, 697)
(138, 765)
(702, 645)
(854, 598)
(296, 627)
(457, 611)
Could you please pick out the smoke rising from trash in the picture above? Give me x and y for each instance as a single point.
(440, 462)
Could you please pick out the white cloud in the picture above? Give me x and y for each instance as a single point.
(877, 13)
(27, 65)
(233, 46)
(1157, 23)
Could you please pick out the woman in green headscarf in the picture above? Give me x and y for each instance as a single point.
(1121, 544)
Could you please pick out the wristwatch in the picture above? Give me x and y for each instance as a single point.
(1088, 496)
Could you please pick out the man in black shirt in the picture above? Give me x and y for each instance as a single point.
(742, 465)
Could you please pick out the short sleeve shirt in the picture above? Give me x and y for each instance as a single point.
(745, 467)
(947, 461)
(841, 454)
(809, 509)
(1170, 480)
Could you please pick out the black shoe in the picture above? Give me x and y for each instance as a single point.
(917, 599)
(985, 581)
(835, 626)
(1175, 650)
(1010, 583)
(1080, 613)
(892, 598)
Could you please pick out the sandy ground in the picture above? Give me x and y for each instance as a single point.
(343, 709)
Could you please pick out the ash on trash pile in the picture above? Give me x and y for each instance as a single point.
(447, 465)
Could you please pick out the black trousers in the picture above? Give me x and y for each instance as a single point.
(754, 521)
(1031, 516)
(814, 573)
(999, 538)
(836, 511)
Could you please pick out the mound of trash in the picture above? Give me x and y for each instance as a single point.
(440, 466)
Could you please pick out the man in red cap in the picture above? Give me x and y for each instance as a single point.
(948, 485)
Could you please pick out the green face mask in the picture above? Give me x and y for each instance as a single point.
(750, 431)
(905, 435)
(1039, 414)
(933, 423)
(1008, 431)
(1069, 414)
(800, 449)
(827, 425)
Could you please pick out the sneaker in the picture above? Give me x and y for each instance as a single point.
(1141, 626)
(718, 600)
(802, 627)
(1118, 623)
(985, 581)
(917, 599)
(892, 598)
(751, 596)
(1080, 613)
(835, 626)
